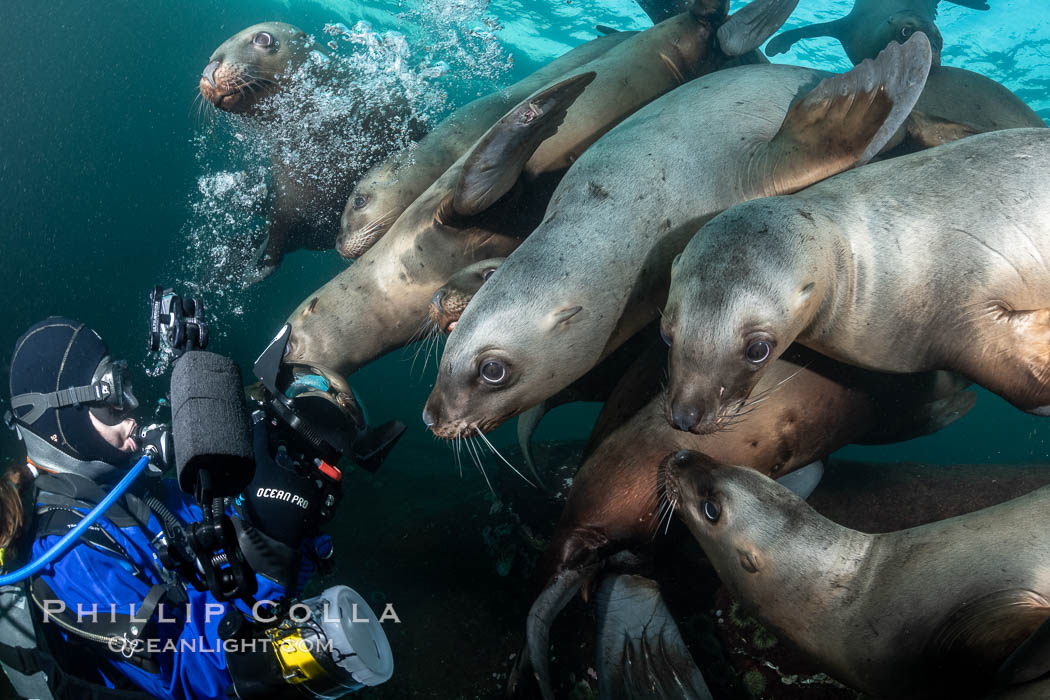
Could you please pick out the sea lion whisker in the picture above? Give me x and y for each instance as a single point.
(472, 447)
(497, 453)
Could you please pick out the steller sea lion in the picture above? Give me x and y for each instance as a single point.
(893, 267)
(945, 610)
(594, 271)
(872, 24)
(385, 191)
(493, 196)
(317, 157)
(811, 408)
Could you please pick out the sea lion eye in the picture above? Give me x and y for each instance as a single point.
(359, 201)
(712, 511)
(487, 273)
(758, 351)
(263, 40)
(663, 337)
(906, 32)
(494, 372)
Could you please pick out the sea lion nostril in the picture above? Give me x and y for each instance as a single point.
(209, 73)
(684, 418)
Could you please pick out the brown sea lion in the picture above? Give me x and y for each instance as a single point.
(385, 191)
(872, 24)
(945, 610)
(593, 273)
(493, 196)
(310, 181)
(893, 267)
(811, 408)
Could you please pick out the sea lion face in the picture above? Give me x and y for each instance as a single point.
(449, 302)
(370, 211)
(490, 378)
(250, 65)
(738, 299)
(900, 27)
(735, 513)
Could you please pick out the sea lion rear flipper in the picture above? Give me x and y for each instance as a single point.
(527, 424)
(640, 652)
(783, 42)
(972, 4)
(1029, 661)
(551, 601)
(497, 161)
(846, 119)
(927, 131)
(752, 24)
(924, 419)
(804, 480)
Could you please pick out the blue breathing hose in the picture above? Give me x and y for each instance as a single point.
(60, 547)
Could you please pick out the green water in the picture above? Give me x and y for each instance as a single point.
(99, 170)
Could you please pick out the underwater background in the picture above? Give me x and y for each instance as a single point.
(112, 180)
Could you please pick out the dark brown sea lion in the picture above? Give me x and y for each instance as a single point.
(945, 610)
(893, 267)
(310, 181)
(872, 24)
(813, 407)
(385, 191)
(492, 197)
(594, 272)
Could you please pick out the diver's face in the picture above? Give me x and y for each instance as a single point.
(120, 435)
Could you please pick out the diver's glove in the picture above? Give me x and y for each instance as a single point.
(285, 504)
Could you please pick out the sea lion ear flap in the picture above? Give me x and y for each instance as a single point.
(752, 24)
(563, 315)
(497, 161)
(848, 118)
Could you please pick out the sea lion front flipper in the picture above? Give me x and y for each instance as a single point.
(845, 120)
(551, 601)
(497, 161)
(659, 10)
(527, 424)
(927, 131)
(804, 480)
(1029, 661)
(990, 627)
(752, 24)
(783, 42)
(640, 651)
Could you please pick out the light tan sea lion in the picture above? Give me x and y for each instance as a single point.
(592, 274)
(493, 196)
(309, 189)
(872, 24)
(811, 408)
(385, 191)
(248, 67)
(894, 267)
(944, 610)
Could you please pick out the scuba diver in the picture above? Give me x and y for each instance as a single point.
(159, 596)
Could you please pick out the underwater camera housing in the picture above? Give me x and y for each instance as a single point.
(326, 646)
(319, 411)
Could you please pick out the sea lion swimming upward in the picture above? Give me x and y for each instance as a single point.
(384, 192)
(872, 24)
(944, 610)
(495, 194)
(893, 267)
(594, 272)
(310, 177)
